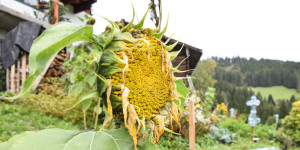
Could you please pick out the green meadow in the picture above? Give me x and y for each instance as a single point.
(278, 92)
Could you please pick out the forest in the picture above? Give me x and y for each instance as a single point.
(233, 78)
(263, 73)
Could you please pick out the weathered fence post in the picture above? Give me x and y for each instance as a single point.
(191, 125)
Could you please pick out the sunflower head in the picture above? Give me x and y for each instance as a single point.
(136, 78)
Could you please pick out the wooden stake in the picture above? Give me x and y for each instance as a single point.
(18, 76)
(191, 125)
(12, 78)
(23, 68)
(56, 12)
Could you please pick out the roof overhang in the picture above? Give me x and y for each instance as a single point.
(194, 54)
(80, 5)
(11, 18)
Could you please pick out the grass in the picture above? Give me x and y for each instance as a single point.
(16, 119)
(278, 92)
(242, 144)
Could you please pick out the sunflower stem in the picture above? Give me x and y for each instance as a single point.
(97, 114)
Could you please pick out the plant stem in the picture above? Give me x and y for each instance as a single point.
(84, 119)
(97, 114)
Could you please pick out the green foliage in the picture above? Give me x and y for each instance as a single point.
(6, 94)
(80, 77)
(203, 75)
(54, 139)
(208, 101)
(234, 97)
(291, 123)
(61, 12)
(284, 108)
(277, 92)
(203, 141)
(43, 50)
(222, 135)
(51, 100)
(284, 140)
(174, 143)
(16, 119)
(265, 132)
(202, 111)
(241, 144)
(243, 129)
(236, 126)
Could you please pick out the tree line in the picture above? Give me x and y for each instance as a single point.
(264, 72)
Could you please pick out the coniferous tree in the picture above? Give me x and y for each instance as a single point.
(292, 99)
(283, 109)
(271, 100)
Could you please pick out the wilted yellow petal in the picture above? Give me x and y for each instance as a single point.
(175, 114)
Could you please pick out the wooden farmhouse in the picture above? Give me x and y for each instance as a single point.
(21, 22)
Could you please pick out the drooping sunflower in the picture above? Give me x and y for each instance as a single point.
(135, 76)
(135, 71)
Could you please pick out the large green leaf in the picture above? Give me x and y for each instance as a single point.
(59, 139)
(181, 90)
(47, 45)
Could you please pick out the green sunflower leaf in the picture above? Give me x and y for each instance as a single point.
(182, 91)
(47, 45)
(60, 139)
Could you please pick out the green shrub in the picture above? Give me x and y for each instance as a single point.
(284, 140)
(271, 120)
(265, 132)
(236, 126)
(174, 143)
(291, 123)
(51, 100)
(204, 141)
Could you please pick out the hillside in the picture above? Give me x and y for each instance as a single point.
(277, 92)
(258, 73)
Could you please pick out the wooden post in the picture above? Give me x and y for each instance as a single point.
(23, 68)
(18, 76)
(38, 4)
(7, 79)
(191, 125)
(56, 12)
(12, 78)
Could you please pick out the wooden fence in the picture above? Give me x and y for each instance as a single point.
(17, 73)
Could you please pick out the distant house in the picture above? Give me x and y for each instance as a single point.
(19, 16)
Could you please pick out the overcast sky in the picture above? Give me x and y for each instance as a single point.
(253, 28)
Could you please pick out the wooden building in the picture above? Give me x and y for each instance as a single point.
(13, 12)
(189, 55)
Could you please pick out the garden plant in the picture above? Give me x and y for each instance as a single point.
(126, 74)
